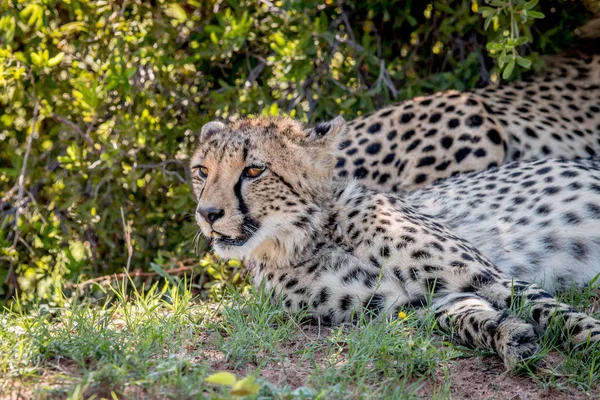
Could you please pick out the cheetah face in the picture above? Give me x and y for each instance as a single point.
(258, 182)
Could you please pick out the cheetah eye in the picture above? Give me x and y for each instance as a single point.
(253, 171)
(202, 171)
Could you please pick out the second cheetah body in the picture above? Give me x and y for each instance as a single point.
(420, 141)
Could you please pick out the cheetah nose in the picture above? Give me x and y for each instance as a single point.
(211, 214)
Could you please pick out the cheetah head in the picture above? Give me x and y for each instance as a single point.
(262, 184)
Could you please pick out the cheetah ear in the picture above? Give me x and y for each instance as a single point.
(210, 129)
(326, 133)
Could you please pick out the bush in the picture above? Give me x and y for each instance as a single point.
(101, 100)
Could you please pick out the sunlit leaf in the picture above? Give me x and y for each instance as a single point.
(221, 378)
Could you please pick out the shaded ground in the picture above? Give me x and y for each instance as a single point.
(479, 377)
(152, 348)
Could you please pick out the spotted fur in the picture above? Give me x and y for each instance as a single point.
(338, 248)
(419, 141)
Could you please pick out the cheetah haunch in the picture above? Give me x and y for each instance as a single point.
(266, 195)
(414, 143)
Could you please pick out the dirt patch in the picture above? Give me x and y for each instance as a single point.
(470, 378)
(292, 370)
(484, 378)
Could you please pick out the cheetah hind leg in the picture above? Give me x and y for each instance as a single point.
(543, 310)
(475, 322)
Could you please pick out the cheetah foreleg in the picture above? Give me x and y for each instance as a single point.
(475, 322)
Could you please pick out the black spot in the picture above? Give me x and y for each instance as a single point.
(406, 117)
(392, 135)
(578, 250)
(543, 209)
(383, 178)
(420, 178)
(361, 173)
(494, 136)
(388, 159)
(447, 142)
(527, 184)
(420, 254)
(480, 153)
(442, 166)
(373, 148)
(426, 161)
(345, 144)
(543, 171)
(474, 121)
(590, 151)
(291, 283)
(467, 257)
(407, 135)
(593, 210)
(413, 145)
(346, 302)
(376, 127)
(461, 154)
(453, 123)
(551, 190)
(530, 132)
(431, 132)
(571, 218)
(435, 117)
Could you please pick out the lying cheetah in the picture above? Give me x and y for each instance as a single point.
(419, 141)
(538, 220)
(266, 196)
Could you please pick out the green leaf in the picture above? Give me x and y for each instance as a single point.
(158, 269)
(536, 15)
(520, 41)
(523, 62)
(508, 70)
(531, 4)
(245, 387)
(221, 378)
(56, 59)
(494, 46)
(176, 12)
(486, 11)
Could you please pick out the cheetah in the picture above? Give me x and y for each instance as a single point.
(419, 141)
(537, 220)
(266, 195)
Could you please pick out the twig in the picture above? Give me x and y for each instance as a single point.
(384, 77)
(80, 132)
(11, 277)
(134, 274)
(163, 168)
(127, 231)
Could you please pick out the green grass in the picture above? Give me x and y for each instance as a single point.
(162, 343)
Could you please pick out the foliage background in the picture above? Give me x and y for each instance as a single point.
(100, 101)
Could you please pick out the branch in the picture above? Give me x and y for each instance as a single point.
(77, 129)
(127, 231)
(11, 277)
